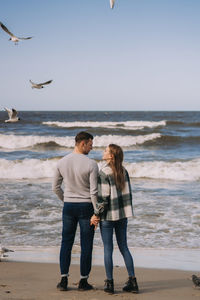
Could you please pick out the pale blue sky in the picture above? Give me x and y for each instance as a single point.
(142, 55)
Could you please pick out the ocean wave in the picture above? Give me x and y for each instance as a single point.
(124, 141)
(21, 141)
(36, 168)
(183, 124)
(134, 125)
(170, 140)
(27, 168)
(24, 141)
(178, 170)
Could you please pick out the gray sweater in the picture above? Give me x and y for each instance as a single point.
(79, 175)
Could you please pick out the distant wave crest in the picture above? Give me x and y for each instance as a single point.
(134, 125)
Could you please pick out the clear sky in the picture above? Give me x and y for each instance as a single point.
(142, 55)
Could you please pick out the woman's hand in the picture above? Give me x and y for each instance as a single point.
(94, 221)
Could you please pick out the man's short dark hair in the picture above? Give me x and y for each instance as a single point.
(83, 136)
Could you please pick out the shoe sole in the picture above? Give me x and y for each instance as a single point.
(82, 289)
(134, 292)
(110, 293)
(62, 289)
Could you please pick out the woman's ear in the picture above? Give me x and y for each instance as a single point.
(111, 157)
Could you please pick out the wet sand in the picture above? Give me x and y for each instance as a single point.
(24, 280)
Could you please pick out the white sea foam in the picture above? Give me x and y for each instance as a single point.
(179, 259)
(189, 170)
(20, 141)
(134, 125)
(124, 141)
(27, 168)
(35, 168)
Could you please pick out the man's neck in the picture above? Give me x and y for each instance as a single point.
(77, 150)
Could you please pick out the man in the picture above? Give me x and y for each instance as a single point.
(79, 175)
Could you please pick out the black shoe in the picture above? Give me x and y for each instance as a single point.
(62, 285)
(109, 286)
(84, 285)
(196, 280)
(131, 286)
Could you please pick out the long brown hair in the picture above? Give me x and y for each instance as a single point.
(116, 165)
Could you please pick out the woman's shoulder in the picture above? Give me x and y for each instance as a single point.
(104, 168)
(125, 172)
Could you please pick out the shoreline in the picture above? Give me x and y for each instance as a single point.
(37, 281)
(149, 258)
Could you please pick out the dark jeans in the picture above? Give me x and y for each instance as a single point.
(74, 213)
(120, 227)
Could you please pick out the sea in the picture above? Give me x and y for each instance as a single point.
(161, 154)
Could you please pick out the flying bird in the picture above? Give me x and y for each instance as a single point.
(13, 38)
(4, 250)
(12, 114)
(39, 85)
(112, 3)
(196, 280)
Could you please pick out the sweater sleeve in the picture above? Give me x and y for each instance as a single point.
(56, 185)
(93, 184)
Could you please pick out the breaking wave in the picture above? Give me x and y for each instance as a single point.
(183, 124)
(178, 170)
(21, 141)
(36, 168)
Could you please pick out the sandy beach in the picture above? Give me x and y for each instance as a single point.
(24, 280)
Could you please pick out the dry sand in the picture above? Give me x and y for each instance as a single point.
(38, 281)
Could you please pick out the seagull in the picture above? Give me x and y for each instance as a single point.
(112, 3)
(39, 85)
(4, 250)
(13, 38)
(12, 113)
(196, 280)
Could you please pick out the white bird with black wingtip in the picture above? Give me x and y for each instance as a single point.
(12, 114)
(112, 3)
(39, 85)
(13, 37)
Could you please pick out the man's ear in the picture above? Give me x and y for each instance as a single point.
(82, 144)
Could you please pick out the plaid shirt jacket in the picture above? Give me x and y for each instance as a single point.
(113, 204)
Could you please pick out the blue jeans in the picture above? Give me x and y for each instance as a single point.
(74, 213)
(120, 227)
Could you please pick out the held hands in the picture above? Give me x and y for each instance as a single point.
(94, 221)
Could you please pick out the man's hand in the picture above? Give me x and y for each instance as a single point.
(94, 221)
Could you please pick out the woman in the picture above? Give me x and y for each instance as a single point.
(114, 206)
